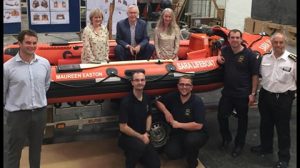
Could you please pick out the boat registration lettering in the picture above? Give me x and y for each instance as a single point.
(195, 65)
(79, 75)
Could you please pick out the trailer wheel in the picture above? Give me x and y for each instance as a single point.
(159, 134)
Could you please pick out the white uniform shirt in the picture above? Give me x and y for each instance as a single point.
(278, 75)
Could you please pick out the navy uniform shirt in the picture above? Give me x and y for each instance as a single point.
(135, 112)
(191, 111)
(238, 71)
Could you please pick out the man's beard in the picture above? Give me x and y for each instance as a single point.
(185, 95)
(139, 88)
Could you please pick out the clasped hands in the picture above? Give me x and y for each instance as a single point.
(134, 50)
(145, 138)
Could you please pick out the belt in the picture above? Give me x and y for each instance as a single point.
(289, 92)
(33, 110)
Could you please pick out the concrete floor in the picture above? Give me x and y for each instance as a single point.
(88, 154)
(210, 156)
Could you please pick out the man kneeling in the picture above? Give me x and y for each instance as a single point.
(184, 111)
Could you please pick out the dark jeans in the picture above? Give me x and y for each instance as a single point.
(136, 151)
(21, 125)
(275, 110)
(226, 106)
(124, 54)
(186, 144)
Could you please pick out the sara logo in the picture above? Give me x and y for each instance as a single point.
(241, 59)
(195, 64)
(188, 112)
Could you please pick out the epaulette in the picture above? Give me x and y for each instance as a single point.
(293, 57)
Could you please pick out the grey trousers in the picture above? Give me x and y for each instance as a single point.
(19, 126)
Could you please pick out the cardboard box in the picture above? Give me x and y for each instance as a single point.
(260, 26)
(220, 14)
(291, 33)
(249, 25)
(271, 28)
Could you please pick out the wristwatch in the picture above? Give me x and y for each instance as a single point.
(253, 94)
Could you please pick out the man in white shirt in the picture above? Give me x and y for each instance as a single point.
(278, 80)
(25, 83)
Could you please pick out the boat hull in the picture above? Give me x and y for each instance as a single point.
(112, 80)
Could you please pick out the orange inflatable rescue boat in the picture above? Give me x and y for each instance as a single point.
(72, 81)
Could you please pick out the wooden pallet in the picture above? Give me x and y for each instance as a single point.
(257, 26)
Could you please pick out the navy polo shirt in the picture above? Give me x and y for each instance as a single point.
(135, 112)
(191, 111)
(238, 71)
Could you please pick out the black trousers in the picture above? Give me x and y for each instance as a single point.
(21, 125)
(124, 54)
(136, 151)
(226, 106)
(186, 144)
(275, 110)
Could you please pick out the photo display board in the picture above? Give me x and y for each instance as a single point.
(113, 11)
(54, 15)
(11, 16)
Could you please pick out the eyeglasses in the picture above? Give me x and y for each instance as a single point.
(139, 80)
(184, 84)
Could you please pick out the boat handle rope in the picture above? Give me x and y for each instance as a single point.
(162, 77)
(114, 75)
(261, 36)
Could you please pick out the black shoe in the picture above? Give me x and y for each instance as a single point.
(237, 150)
(281, 164)
(259, 150)
(197, 165)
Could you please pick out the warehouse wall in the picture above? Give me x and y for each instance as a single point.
(277, 11)
(235, 13)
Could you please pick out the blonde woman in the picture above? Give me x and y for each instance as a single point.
(95, 40)
(167, 36)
